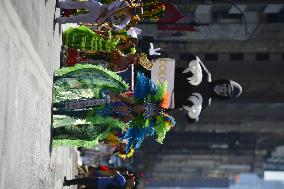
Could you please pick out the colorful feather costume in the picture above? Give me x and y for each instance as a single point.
(90, 81)
(84, 39)
(154, 120)
(85, 82)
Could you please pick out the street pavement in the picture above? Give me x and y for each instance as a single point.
(65, 164)
(29, 54)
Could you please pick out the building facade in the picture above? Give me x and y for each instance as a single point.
(238, 40)
(243, 41)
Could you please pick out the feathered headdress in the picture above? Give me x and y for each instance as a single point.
(156, 121)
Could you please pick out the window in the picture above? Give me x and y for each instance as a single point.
(186, 56)
(211, 56)
(236, 56)
(272, 18)
(226, 17)
(255, 8)
(261, 56)
(275, 17)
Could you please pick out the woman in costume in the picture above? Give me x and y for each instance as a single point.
(115, 61)
(118, 13)
(101, 48)
(90, 102)
(153, 10)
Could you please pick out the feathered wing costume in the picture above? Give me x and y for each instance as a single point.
(154, 120)
(90, 81)
(85, 82)
(96, 42)
(85, 39)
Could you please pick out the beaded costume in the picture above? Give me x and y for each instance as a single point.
(114, 61)
(118, 13)
(84, 39)
(79, 122)
(152, 10)
(153, 121)
(90, 102)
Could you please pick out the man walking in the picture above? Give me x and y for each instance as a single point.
(116, 181)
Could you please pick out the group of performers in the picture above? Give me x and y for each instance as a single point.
(93, 105)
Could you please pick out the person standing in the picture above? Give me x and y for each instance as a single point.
(91, 102)
(118, 13)
(118, 181)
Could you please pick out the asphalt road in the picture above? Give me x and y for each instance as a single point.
(29, 54)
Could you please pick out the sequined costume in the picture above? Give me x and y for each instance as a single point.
(79, 121)
(84, 39)
(75, 123)
(117, 13)
(115, 61)
(153, 121)
(152, 10)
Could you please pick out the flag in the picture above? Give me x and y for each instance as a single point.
(172, 15)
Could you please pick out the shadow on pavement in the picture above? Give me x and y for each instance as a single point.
(51, 122)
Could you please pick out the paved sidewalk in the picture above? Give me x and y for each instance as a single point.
(64, 164)
(29, 52)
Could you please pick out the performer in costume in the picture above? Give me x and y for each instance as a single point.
(115, 61)
(90, 102)
(118, 13)
(85, 82)
(84, 39)
(116, 52)
(194, 89)
(152, 10)
(118, 180)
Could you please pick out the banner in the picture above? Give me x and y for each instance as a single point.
(164, 70)
(85, 103)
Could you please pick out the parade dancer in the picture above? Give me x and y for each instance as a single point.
(117, 181)
(113, 50)
(90, 102)
(115, 61)
(117, 13)
(94, 42)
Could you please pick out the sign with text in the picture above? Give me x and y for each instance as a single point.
(85, 103)
(164, 70)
